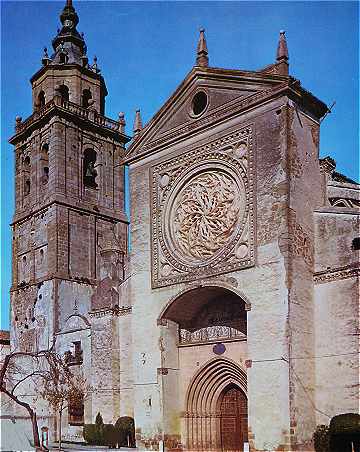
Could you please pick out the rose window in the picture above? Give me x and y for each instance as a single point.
(205, 214)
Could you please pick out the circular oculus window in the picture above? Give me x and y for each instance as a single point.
(199, 103)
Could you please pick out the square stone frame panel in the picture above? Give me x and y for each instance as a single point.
(189, 242)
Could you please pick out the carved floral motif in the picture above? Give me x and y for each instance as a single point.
(202, 211)
(205, 214)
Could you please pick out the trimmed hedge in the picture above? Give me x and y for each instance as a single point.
(90, 433)
(110, 436)
(322, 438)
(100, 434)
(125, 426)
(343, 429)
(94, 433)
(345, 423)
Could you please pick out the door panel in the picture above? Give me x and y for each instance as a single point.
(233, 422)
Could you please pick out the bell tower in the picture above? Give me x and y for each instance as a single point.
(69, 227)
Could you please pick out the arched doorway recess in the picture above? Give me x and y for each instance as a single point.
(208, 325)
(216, 408)
(208, 314)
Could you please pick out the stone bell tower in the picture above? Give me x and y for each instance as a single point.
(69, 227)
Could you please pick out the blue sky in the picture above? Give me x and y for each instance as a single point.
(145, 49)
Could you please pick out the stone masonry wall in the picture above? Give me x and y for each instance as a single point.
(303, 174)
(105, 366)
(263, 285)
(336, 314)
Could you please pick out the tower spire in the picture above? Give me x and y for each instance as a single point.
(137, 123)
(69, 41)
(282, 55)
(202, 58)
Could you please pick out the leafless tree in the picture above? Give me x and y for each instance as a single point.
(50, 372)
(62, 387)
(13, 373)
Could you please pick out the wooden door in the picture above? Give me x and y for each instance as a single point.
(233, 422)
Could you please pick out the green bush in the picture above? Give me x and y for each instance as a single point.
(110, 437)
(94, 433)
(100, 429)
(322, 438)
(125, 428)
(90, 433)
(100, 434)
(345, 423)
(99, 420)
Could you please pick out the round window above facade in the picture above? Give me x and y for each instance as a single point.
(199, 103)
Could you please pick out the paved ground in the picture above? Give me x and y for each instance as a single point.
(79, 447)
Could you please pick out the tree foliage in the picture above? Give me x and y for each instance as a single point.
(100, 434)
(322, 438)
(62, 387)
(46, 370)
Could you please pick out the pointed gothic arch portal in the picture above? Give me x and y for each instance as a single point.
(216, 408)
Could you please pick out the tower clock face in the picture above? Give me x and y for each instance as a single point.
(68, 23)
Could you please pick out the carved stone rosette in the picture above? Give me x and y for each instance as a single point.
(203, 211)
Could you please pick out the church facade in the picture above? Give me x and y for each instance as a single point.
(234, 318)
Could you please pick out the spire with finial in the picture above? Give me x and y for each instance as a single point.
(122, 122)
(282, 55)
(202, 58)
(68, 36)
(45, 59)
(95, 66)
(137, 123)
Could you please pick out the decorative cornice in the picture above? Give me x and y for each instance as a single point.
(336, 274)
(327, 165)
(117, 311)
(85, 116)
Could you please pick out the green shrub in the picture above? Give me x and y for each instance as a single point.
(94, 433)
(322, 438)
(99, 430)
(99, 420)
(125, 428)
(90, 433)
(345, 423)
(110, 437)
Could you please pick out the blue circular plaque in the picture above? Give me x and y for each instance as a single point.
(219, 349)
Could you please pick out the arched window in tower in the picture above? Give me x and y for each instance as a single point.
(45, 152)
(27, 187)
(45, 175)
(86, 97)
(64, 92)
(27, 163)
(63, 58)
(44, 164)
(41, 99)
(26, 175)
(89, 171)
